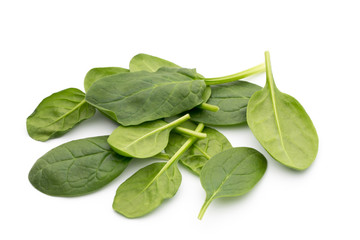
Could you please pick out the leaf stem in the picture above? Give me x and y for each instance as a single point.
(204, 207)
(269, 74)
(209, 107)
(179, 152)
(190, 132)
(230, 78)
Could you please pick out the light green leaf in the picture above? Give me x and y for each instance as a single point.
(202, 150)
(230, 173)
(145, 62)
(150, 186)
(144, 140)
(281, 125)
(58, 113)
(146, 190)
(77, 167)
(97, 73)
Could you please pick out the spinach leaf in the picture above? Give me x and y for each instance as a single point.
(232, 99)
(97, 73)
(145, 62)
(281, 125)
(146, 190)
(58, 113)
(230, 173)
(144, 140)
(150, 186)
(201, 151)
(77, 167)
(134, 98)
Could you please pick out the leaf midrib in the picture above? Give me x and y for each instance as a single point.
(274, 106)
(67, 113)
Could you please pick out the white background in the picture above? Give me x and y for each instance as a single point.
(47, 46)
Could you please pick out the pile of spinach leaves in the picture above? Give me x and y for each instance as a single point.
(162, 110)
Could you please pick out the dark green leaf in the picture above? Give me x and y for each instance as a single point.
(230, 173)
(97, 73)
(77, 167)
(282, 125)
(58, 113)
(232, 99)
(134, 98)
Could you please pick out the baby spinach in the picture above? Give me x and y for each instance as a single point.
(146, 190)
(282, 125)
(134, 98)
(145, 62)
(77, 167)
(150, 186)
(58, 113)
(201, 151)
(232, 99)
(97, 73)
(144, 140)
(230, 173)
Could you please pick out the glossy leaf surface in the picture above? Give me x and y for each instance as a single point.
(145, 190)
(282, 126)
(230, 173)
(145, 62)
(58, 113)
(232, 99)
(97, 73)
(144, 140)
(77, 167)
(134, 98)
(202, 150)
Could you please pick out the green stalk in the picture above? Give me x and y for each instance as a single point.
(208, 107)
(204, 207)
(179, 152)
(186, 131)
(230, 78)
(181, 129)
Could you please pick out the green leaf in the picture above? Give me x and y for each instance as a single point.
(144, 140)
(232, 99)
(97, 73)
(145, 62)
(281, 125)
(150, 186)
(58, 113)
(145, 190)
(77, 167)
(134, 98)
(230, 173)
(202, 150)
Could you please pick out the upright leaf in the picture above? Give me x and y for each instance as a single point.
(282, 125)
(134, 98)
(77, 167)
(230, 173)
(232, 99)
(201, 151)
(97, 73)
(58, 113)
